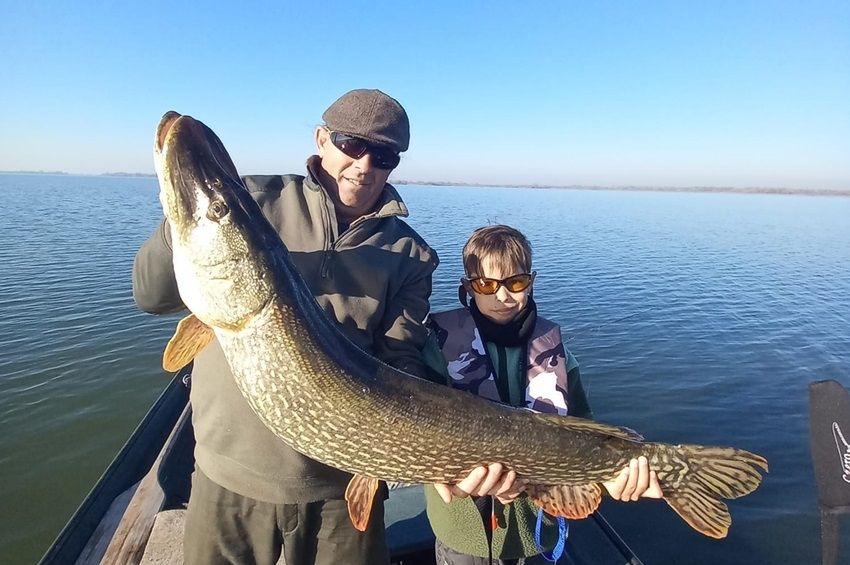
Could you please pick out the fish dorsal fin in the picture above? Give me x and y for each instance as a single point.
(581, 424)
(190, 337)
(360, 495)
(574, 502)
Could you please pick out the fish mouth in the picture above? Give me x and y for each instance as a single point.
(193, 167)
(198, 177)
(163, 128)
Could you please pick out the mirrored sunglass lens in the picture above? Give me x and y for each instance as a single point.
(354, 147)
(485, 286)
(351, 146)
(385, 158)
(518, 283)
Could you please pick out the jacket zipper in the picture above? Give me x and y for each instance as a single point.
(330, 222)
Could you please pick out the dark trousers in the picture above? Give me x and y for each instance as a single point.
(224, 527)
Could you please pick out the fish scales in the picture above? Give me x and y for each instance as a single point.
(325, 397)
(430, 429)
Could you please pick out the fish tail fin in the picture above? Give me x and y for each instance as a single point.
(695, 478)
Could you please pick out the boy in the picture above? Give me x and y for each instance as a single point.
(496, 346)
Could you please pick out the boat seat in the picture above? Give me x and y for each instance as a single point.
(165, 545)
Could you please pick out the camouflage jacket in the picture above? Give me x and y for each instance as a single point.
(550, 376)
(547, 371)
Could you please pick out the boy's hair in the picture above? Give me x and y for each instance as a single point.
(499, 244)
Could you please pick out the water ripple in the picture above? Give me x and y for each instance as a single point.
(695, 317)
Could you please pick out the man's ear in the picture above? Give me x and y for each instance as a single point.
(322, 137)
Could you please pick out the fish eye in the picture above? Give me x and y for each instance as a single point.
(217, 210)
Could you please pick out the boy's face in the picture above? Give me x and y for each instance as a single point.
(503, 306)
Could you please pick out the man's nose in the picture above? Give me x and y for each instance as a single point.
(364, 162)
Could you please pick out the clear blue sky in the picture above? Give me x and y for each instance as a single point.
(682, 93)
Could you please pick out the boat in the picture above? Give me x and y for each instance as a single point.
(134, 513)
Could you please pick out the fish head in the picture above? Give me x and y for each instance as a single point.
(217, 235)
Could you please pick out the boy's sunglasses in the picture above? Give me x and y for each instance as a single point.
(354, 147)
(515, 283)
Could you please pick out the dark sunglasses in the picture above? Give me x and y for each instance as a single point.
(355, 147)
(514, 283)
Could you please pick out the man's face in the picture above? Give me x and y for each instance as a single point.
(354, 184)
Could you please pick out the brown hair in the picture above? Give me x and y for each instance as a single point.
(503, 245)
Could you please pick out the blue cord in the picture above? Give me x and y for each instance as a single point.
(563, 533)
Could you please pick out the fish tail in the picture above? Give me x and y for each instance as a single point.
(695, 478)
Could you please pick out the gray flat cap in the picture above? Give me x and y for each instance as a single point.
(372, 115)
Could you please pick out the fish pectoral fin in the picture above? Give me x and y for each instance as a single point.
(360, 494)
(190, 337)
(570, 501)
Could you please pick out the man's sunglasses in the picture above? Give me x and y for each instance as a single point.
(355, 147)
(515, 283)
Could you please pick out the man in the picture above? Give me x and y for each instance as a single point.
(253, 498)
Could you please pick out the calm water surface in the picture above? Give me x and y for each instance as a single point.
(696, 318)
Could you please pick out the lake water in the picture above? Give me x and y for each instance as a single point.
(696, 317)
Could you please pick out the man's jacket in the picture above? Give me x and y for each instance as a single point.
(374, 279)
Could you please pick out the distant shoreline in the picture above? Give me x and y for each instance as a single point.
(447, 184)
(63, 173)
(703, 189)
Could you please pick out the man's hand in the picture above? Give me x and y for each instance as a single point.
(484, 481)
(634, 482)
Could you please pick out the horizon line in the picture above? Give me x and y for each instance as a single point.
(443, 183)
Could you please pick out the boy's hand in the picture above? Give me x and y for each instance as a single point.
(634, 482)
(484, 481)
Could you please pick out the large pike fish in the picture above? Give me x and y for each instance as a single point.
(333, 402)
